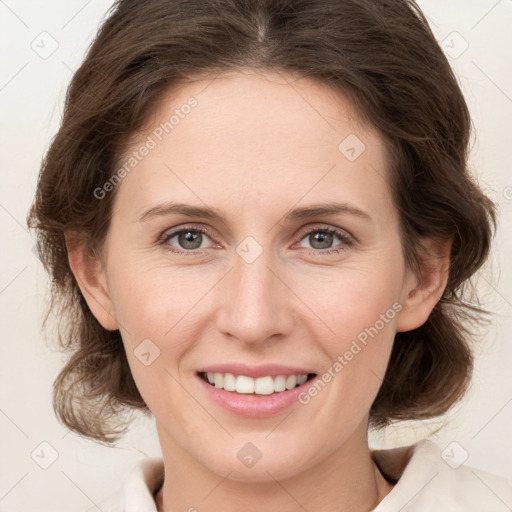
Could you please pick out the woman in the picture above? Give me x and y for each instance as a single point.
(259, 221)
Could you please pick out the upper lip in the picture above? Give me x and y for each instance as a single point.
(254, 371)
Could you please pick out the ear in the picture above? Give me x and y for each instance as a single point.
(422, 292)
(89, 272)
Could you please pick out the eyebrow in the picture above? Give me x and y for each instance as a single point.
(303, 213)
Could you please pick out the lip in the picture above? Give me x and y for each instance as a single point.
(254, 406)
(272, 370)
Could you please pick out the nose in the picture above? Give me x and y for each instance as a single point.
(254, 303)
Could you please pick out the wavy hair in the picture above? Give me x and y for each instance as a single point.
(383, 56)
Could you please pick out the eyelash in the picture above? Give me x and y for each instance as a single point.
(347, 241)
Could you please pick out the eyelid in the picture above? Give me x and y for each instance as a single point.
(343, 233)
(170, 233)
(347, 238)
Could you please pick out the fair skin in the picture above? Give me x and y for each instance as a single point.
(255, 147)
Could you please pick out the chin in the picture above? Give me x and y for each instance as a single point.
(261, 472)
(258, 462)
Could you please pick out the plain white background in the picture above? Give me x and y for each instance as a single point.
(42, 43)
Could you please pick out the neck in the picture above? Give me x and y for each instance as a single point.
(348, 480)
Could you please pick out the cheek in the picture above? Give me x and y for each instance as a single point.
(154, 300)
(157, 302)
(348, 300)
(156, 322)
(357, 308)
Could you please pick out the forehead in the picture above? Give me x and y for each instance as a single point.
(242, 137)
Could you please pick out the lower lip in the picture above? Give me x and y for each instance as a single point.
(251, 405)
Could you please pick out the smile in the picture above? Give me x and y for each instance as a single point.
(253, 397)
(266, 385)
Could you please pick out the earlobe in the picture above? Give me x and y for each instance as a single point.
(89, 273)
(422, 292)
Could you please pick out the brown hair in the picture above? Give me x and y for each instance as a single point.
(382, 55)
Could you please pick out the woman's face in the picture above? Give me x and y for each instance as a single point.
(263, 278)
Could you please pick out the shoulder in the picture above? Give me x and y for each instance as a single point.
(136, 492)
(431, 477)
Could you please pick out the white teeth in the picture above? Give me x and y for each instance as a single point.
(291, 381)
(260, 386)
(244, 384)
(219, 380)
(280, 383)
(229, 382)
(264, 386)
